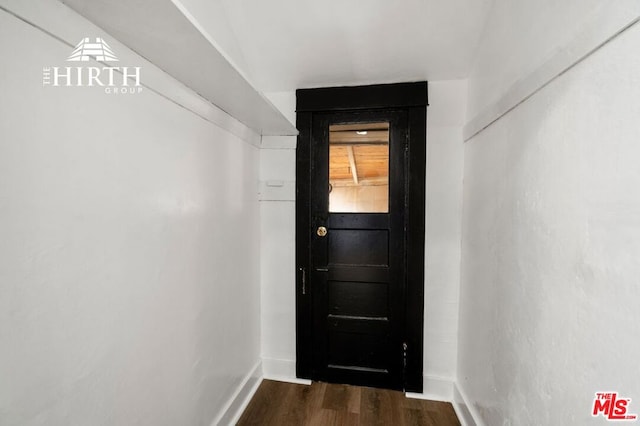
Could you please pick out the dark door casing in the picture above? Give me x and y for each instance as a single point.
(359, 293)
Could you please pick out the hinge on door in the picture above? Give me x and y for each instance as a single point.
(404, 366)
(404, 355)
(406, 143)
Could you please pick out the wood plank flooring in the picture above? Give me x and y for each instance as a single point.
(283, 404)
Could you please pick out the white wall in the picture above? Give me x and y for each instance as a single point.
(277, 247)
(551, 241)
(445, 118)
(129, 286)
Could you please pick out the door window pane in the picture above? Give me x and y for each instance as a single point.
(359, 168)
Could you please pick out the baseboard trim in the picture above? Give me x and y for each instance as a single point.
(467, 414)
(236, 405)
(434, 388)
(282, 370)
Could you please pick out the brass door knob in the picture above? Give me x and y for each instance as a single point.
(321, 231)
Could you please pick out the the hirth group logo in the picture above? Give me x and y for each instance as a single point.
(114, 80)
(611, 407)
(99, 50)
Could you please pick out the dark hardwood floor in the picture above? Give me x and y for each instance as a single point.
(282, 404)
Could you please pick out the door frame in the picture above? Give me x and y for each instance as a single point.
(413, 98)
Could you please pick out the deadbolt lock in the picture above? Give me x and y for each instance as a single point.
(321, 231)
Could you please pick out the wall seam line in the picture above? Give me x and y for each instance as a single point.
(539, 86)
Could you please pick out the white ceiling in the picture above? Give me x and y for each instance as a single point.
(288, 44)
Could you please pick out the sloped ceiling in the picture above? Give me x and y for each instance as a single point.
(159, 31)
(288, 44)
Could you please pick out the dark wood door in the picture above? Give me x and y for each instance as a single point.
(356, 270)
(359, 295)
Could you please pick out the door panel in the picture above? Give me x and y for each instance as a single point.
(358, 299)
(358, 247)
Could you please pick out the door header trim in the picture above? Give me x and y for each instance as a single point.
(397, 95)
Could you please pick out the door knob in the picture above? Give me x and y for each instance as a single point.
(321, 231)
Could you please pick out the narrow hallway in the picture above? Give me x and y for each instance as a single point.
(157, 257)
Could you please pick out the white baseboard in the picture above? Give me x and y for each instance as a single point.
(236, 405)
(467, 414)
(434, 388)
(282, 370)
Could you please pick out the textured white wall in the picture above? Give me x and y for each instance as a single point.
(129, 287)
(445, 118)
(551, 242)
